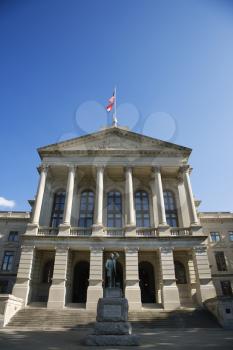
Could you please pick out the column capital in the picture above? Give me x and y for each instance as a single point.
(43, 168)
(72, 167)
(200, 249)
(166, 250)
(132, 250)
(27, 249)
(100, 168)
(185, 169)
(128, 168)
(61, 249)
(156, 169)
(96, 250)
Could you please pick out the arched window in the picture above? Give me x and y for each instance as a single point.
(142, 209)
(48, 272)
(170, 208)
(58, 209)
(86, 211)
(180, 273)
(114, 209)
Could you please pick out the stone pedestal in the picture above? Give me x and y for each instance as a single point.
(112, 326)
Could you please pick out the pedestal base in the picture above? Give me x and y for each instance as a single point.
(112, 326)
(117, 340)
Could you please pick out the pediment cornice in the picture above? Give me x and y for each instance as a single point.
(115, 140)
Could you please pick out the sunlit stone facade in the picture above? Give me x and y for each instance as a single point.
(118, 191)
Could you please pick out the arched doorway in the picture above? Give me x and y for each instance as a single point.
(80, 282)
(147, 282)
(119, 276)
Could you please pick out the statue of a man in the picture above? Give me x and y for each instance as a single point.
(111, 270)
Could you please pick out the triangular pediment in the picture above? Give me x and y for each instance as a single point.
(114, 139)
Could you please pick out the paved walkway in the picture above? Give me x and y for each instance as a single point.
(172, 339)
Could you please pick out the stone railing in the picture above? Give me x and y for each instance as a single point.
(81, 231)
(146, 232)
(114, 232)
(48, 231)
(181, 231)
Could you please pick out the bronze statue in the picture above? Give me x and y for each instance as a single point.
(111, 270)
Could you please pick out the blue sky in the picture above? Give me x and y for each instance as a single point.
(172, 62)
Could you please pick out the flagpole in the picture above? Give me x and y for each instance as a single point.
(115, 115)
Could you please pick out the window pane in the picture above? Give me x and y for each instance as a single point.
(7, 262)
(86, 209)
(58, 209)
(215, 236)
(114, 209)
(170, 208)
(220, 261)
(142, 209)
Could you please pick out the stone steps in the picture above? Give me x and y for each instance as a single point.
(42, 318)
(197, 318)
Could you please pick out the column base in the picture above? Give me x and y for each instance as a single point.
(56, 298)
(94, 293)
(64, 230)
(133, 295)
(205, 292)
(130, 231)
(21, 290)
(196, 229)
(32, 229)
(164, 229)
(170, 297)
(97, 230)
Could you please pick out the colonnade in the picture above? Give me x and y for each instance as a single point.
(129, 192)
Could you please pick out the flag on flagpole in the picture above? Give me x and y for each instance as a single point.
(111, 101)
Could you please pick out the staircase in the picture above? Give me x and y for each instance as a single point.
(186, 318)
(43, 318)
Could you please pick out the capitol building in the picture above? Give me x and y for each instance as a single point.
(116, 191)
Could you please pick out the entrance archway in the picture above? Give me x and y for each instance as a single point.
(80, 282)
(147, 282)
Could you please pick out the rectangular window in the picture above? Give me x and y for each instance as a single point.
(220, 261)
(13, 236)
(230, 236)
(226, 288)
(215, 236)
(7, 263)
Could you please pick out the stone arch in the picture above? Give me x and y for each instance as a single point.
(80, 281)
(147, 282)
(180, 272)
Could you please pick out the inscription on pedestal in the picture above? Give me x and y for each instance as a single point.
(112, 311)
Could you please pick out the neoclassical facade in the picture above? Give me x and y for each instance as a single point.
(114, 191)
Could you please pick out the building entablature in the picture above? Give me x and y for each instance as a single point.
(88, 243)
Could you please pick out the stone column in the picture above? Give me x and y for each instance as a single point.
(160, 198)
(189, 193)
(22, 286)
(69, 195)
(98, 217)
(39, 195)
(184, 208)
(132, 289)
(57, 292)
(95, 288)
(129, 203)
(170, 293)
(65, 226)
(204, 285)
